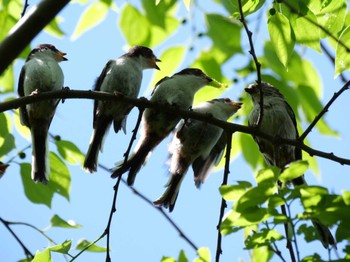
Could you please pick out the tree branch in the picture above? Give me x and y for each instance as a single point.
(142, 102)
(324, 110)
(257, 64)
(27, 28)
(223, 201)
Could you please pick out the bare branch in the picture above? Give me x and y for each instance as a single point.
(26, 29)
(143, 102)
(223, 201)
(324, 110)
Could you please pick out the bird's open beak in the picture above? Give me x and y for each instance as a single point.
(154, 62)
(237, 105)
(61, 55)
(217, 84)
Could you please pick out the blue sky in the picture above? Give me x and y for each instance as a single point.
(140, 232)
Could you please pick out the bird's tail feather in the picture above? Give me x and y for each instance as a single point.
(136, 161)
(40, 153)
(91, 158)
(168, 199)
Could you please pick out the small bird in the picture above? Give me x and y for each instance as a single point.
(178, 91)
(279, 120)
(122, 75)
(40, 73)
(197, 143)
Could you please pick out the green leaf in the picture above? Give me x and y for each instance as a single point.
(294, 170)
(207, 62)
(7, 21)
(306, 30)
(250, 150)
(83, 243)
(36, 193)
(53, 27)
(168, 259)
(252, 198)
(204, 255)
(182, 257)
(267, 177)
(342, 57)
(225, 33)
(69, 152)
(62, 248)
(234, 192)
(261, 254)
(311, 196)
(91, 17)
(7, 80)
(134, 26)
(43, 256)
(174, 54)
(56, 221)
(7, 144)
(59, 177)
(21, 129)
(262, 238)
(248, 6)
(282, 37)
(331, 16)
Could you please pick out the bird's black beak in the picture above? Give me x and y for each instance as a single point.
(154, 62)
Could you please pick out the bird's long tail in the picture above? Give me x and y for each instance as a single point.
(137, 160)
(168, 199)
(91, 158)
(40, 153)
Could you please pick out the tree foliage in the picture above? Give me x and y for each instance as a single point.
(223, 44)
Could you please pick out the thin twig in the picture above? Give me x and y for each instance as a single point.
(148, 201)
(25, 249)
(223, 201)
(289, 242)
(324, 110)
(257, 63)
(113, 210)
(25, 6)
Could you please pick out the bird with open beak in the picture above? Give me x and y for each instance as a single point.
(279, 120)
(40, 73)
(193, 144)
(178, 91)
(120, 76)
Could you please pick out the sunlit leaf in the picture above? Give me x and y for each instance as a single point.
(234, 192)
(59, 177)
(282, 37)
(36, 193)
(21, 129)
(294, 170)
(7, 144)
(342, 57)
(56, 221)
(83, 243)
(225, 33)
(262, 238)
(306, 30)
(69, 152)
(204, 255)
(91, 17)
(312, 195)
(174, 54)
(260, 254)
(253, 197)
(7, 80)
(168, 259)
(248, 6)
(53, 27)
(331, 16)
(42, 256)
(250, 150)
(134, 26)
(7, 21)
(62, 248)
(187, 4)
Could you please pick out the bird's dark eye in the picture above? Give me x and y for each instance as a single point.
(227, 100)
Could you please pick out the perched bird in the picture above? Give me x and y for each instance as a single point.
(279, 120)
(193, 143)
(40, 73)
(178, 91)
(122, 75)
